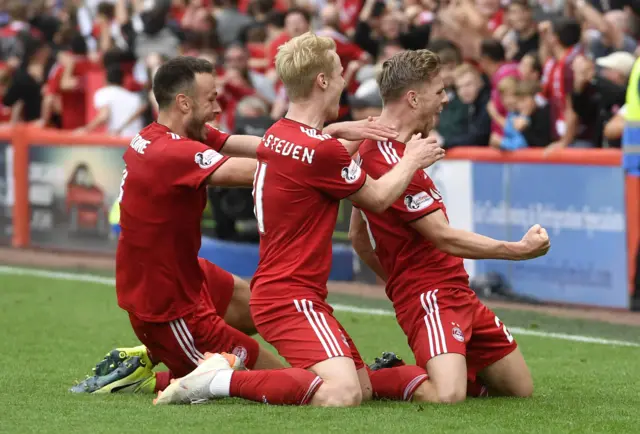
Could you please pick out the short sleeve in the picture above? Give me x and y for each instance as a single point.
(216, 138)
(334, 172)
(190, 163)
(101, 98)
(419, 199)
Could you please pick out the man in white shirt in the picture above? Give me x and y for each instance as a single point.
(116, 106)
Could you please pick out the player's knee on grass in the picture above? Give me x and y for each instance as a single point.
(448, 375)
(509, 376)
(341, 384)
(238, 314)
(333, 394)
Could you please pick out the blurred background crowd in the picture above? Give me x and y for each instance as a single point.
(537, 73)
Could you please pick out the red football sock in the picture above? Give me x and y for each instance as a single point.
(290, 386)
(477, 389)
(397, 383)
(162, 381)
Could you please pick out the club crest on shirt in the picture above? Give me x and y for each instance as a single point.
(457, 334)
(207, 158)
(241, 353)
(352, 173)
(418, 201)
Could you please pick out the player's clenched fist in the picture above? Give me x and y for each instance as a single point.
(535, 242)
(425, 151)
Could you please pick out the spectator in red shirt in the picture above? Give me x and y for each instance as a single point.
(562, 40)
(67, 82)
(296, 22)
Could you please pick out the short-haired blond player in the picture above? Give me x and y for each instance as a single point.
(301, 177)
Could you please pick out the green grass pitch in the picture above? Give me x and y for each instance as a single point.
(53, 332)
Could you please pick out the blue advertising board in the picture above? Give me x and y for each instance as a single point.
(582, 208)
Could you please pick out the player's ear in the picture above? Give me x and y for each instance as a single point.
(183, 101)
(321, 80)
(412, 98)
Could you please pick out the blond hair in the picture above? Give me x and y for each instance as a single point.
(508, 85)
(300, 60)
(465, 69)
(405, 70)
(528, 88)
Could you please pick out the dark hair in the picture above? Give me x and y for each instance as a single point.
(379, 9)
(106, 9)
(567, 30)
(177, 76)
(112, 57)
(493, 50)
(78, 45)
(300, 11)
(114, 75)
(276, 19)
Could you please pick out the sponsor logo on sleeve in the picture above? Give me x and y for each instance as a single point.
(207, 158)
(352, 173)
(418, 201)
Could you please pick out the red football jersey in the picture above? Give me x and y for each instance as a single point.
(162, 196)
(73, 100)
(412, 263)
(301, 177)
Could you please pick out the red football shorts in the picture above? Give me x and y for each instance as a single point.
(179, 344)
(455, 321)
(303, 331)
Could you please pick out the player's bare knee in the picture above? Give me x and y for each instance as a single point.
(524, 389)
(451, 395)
(335, 395)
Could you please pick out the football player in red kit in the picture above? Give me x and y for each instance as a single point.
(181, 306)
(301, 177)
(413, 248)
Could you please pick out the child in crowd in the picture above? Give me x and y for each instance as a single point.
(534, 120)
(511, 138)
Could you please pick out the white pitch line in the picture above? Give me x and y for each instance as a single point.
(514, 330)
(17, 271)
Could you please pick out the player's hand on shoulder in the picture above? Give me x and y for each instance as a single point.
(368, 128)
(535, 242)
(424, 151)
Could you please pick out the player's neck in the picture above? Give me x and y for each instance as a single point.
(405, 127)
(307, 113)
(175, 125)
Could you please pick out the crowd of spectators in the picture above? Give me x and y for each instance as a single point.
(537, 73)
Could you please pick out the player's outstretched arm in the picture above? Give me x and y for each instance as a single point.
(351, 134)
(241, 146)
(464, 244)
(379, 194)
(359, 236)
(235, 172)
